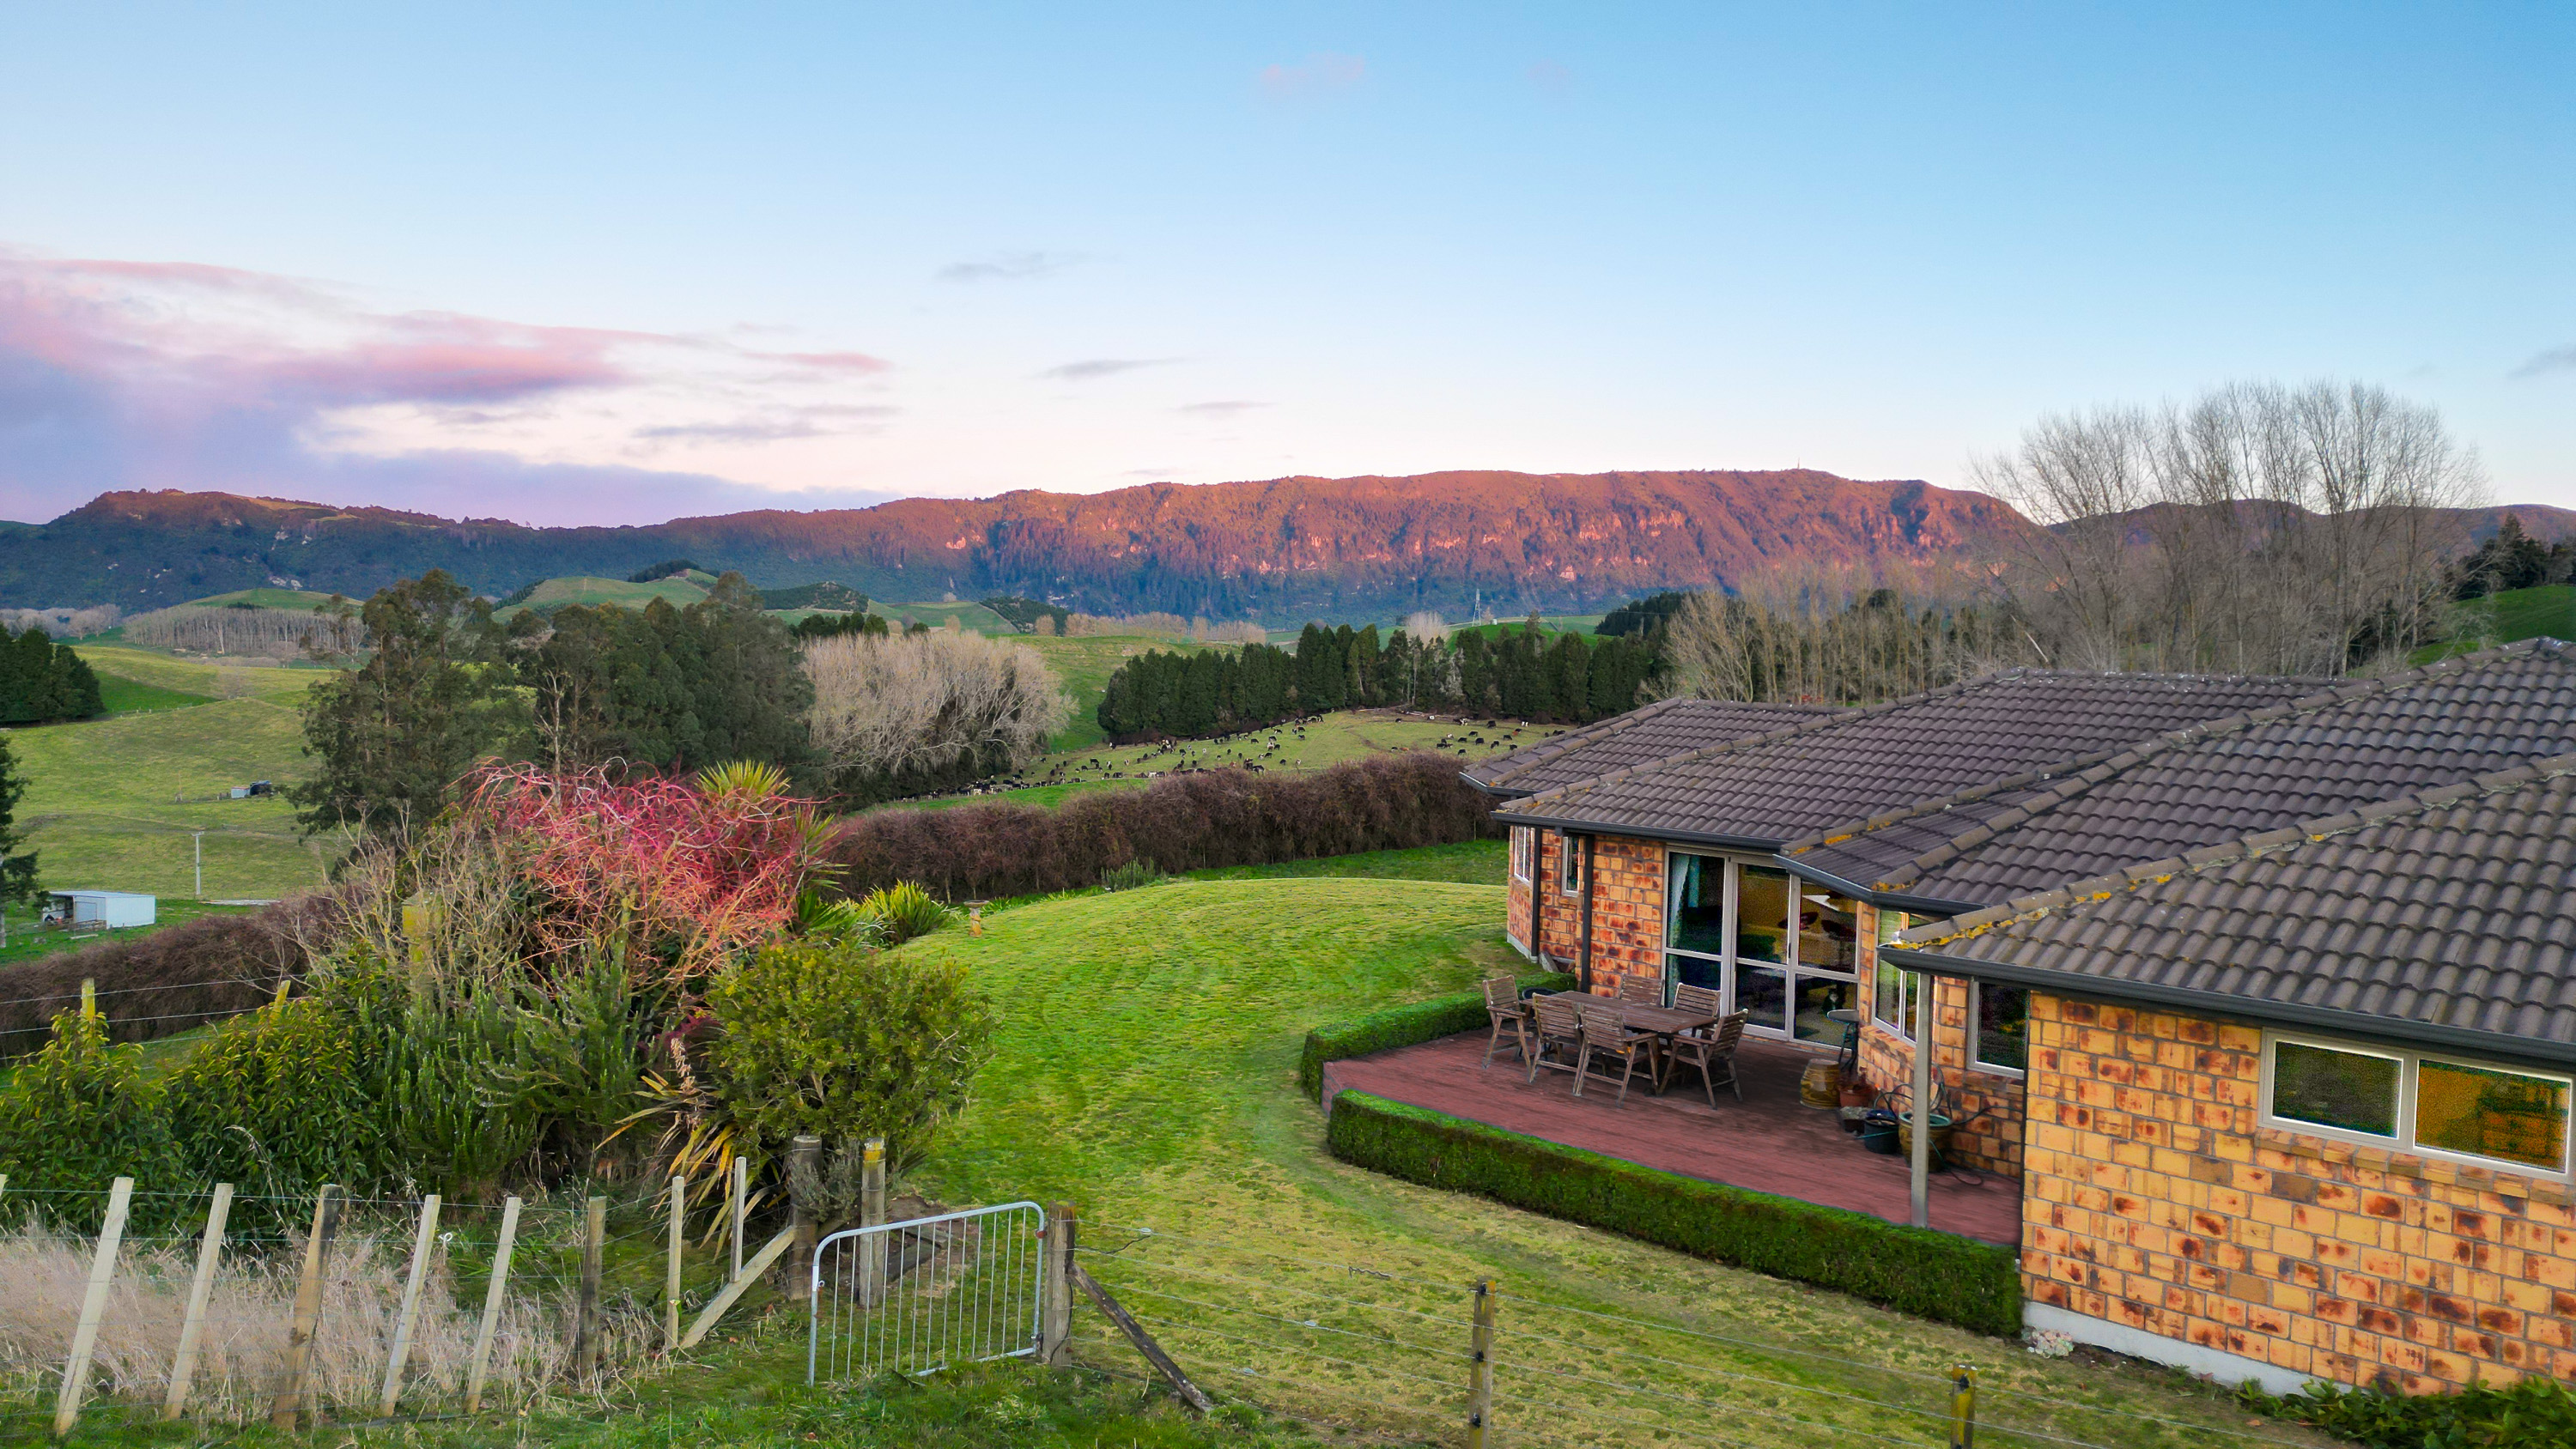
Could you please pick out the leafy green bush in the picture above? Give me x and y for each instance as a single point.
(273, 1102)
(1399, 1026)
(1137, 872)
(905, 909)
(2536, 1413)
(77, 1116)
(1914, 1270)
(841, 1041)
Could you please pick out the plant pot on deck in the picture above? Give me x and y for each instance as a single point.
(1821, 1084)
(1858, 1094)
(1940, 1135)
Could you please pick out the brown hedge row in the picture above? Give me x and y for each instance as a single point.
(1183, 822)
(169, 981)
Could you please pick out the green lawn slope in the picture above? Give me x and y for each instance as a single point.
(1145, 1072)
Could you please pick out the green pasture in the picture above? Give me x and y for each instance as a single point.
(298, 599)
(965, 613)
(679, 590)
(1317, 744)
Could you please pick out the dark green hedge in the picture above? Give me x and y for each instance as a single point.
(1913, 1270)
(1402, 1026)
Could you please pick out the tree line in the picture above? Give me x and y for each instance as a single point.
(1518, 671)
(42, 682)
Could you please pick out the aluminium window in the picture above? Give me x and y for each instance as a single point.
(1569, 864)
(1524, 845)
(2417, 1102)
(1891, 996)
(2000, 1017)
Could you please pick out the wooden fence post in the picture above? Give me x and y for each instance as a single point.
(741, 1192)
(872, 1213)
(671, 1275)
(805, 1153)
(210, 1253)
(1055, 1308)
(493, 1297)
(585, 1321)
(421, 1243)
(1145, 1344)
(308, 1309)
(1480, 1369)
(102, 1268)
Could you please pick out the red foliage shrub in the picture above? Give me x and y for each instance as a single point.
(662, 863)
(1185, 822)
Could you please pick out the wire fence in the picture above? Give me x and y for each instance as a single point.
(1371, 1350)
(412, 1309)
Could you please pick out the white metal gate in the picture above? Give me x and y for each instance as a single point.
(916, 1296)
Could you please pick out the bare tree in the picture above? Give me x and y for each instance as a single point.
(929, 701)
(2260, 528)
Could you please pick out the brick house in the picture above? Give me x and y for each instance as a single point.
(1898, 834)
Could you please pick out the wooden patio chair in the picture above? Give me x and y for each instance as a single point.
(1503, 1007)
(1699, 1001)
(1606, 1033)
(1555, 1022)
(1643, 990)
(1711, 1053)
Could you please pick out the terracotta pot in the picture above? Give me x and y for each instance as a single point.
(1858, 1094)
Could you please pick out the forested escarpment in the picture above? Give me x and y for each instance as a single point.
(1345, 548)
(1517, 671)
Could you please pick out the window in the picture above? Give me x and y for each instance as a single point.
(1524, 839)
(1695, 921)
(2431, 1104)
(2002, 1015)
(1569, 865)
(1891, 997)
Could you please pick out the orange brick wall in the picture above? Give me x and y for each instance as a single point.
(1988, 1105)
(1627, 908)
(2154, 1199)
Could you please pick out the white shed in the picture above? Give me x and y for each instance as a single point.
(112, 909)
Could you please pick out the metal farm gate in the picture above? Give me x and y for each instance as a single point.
(917, 1296)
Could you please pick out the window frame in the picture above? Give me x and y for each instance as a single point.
(1976, 1017)
(2410, 1061)
(1524, 851)
(1908, 982)
(1569, 864)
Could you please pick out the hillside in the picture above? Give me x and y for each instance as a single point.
(1284, 549)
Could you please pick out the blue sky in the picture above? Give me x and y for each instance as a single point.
(618, 263)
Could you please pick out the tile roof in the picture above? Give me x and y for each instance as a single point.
(2362, 741)
(1641, 736)
(1794, 781)
(2446, 915)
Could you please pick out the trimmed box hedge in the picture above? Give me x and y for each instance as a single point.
(1398, 1026)
(1913, 1270)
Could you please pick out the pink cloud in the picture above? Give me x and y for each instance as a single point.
(858, 362)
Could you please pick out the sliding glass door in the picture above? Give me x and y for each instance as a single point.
(1780, 953)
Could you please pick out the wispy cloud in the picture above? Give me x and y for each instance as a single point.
(2556, 359)
(117, 374)
(1091, 368)
(1219, 409)
(1322, 73)
(1008, 267)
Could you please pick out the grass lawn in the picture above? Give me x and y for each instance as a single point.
(1468, 862)
(132, 696)
(299, 599)
(102, 805)
(2502, 618)
(681, 590)
(1331, 739)
(1145, 1073)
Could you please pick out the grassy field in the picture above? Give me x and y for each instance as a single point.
(1146, 1074)
(1084, 664)
(966, 613)
(1469, 862)
(264, 598)
(680, 590)
(2502, 618)
(111, 804)
(1332, 739)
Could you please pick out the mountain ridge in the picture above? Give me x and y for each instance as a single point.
(1281, 549)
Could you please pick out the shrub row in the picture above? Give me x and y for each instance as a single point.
(1913, 1270)
(1183, 822)
(169, 981)
(1400, 1026)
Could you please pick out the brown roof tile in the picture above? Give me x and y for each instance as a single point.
(2453, 911)
(1814, 773)
(1641, 736)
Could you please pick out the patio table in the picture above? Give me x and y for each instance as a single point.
(1665, 1023)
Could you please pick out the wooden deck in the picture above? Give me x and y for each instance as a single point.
(1769, 1142)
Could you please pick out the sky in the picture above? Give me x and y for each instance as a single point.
(570, 264)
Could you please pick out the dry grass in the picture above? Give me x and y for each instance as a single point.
(241, 1350)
